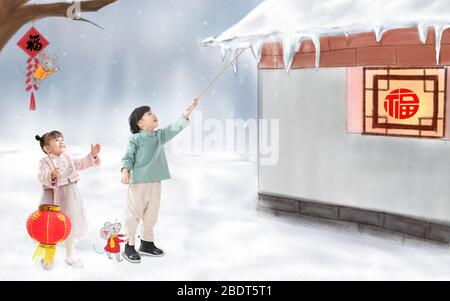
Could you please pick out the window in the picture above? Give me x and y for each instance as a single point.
(402, 102)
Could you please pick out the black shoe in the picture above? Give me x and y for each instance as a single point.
(131, 255)
(148, 248)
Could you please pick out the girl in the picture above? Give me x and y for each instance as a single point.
(145, 159)
(58, 174)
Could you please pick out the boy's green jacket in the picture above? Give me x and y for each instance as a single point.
(145, 157)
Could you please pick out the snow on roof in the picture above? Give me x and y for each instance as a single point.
(293, 21)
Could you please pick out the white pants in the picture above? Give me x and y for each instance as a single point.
(142, 204)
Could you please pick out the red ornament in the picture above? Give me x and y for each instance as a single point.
(49, 226)
(402, 104)
(32, 102)
(32, 43)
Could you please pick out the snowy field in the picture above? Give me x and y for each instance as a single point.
(208, 227)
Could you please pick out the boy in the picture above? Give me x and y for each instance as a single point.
(145, 160)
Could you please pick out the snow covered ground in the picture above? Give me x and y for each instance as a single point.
(208, 227)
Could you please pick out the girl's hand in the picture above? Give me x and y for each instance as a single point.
(95, 150)
(191, 108)
(125, 177)
(55, 174)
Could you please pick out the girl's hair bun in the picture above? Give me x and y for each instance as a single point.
(38, 138)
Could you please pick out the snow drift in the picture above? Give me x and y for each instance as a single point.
(293, 21)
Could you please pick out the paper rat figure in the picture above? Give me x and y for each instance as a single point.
(110, 232)
(47, 66)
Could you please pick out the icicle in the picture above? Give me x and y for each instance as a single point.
(290, 46)
(316, 41)
(256, 50)
(379, 31)
(422, 28)
(234, 53)
(224, 51)
(439, 29)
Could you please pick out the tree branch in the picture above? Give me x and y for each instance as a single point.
(16, 13)
(32, 12)
(9, 8)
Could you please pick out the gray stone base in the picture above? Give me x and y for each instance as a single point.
(365, 220)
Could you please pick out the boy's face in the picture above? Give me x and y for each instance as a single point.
(148, 122)
(56, 146)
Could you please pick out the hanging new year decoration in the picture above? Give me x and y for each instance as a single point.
(39, 63)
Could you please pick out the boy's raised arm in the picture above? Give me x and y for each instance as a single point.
(168, 133)
(180, 124)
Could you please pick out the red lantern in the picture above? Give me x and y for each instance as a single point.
(49, 226)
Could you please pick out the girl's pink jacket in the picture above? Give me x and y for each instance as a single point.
(46, 167)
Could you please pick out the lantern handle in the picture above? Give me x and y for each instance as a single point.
(53, 164)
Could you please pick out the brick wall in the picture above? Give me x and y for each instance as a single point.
(398, 48)
(377, 220)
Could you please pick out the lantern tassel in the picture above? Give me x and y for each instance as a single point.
(45, 251)
(32, 102)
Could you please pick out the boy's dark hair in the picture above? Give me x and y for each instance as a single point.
(135, 116)
(47, 137)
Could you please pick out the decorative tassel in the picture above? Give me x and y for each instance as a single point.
(47, 252)
(32, 102)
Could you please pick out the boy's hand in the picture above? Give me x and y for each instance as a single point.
(191, 108)
(125, 176)
(55, 174)
(95, 150)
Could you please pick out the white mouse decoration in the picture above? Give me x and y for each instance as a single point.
(110, 232)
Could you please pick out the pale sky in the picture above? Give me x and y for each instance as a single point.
(148, 54)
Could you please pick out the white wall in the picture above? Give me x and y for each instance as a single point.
(320, 161)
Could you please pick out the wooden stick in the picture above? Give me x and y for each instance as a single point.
(220, 74)
(53, 164)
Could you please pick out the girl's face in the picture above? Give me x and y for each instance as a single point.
(148, 122)
(56, 146)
